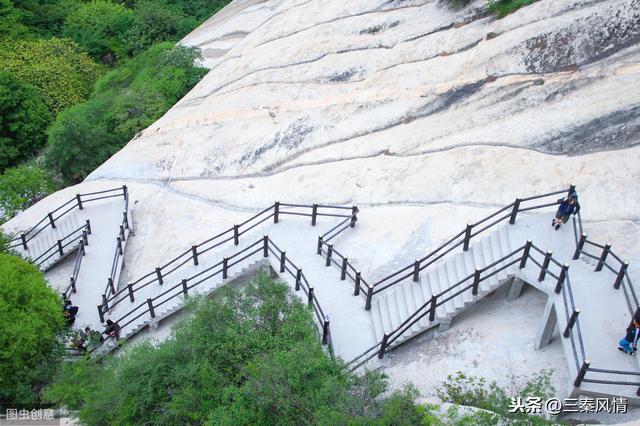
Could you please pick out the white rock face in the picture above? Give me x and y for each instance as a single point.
(425, 117)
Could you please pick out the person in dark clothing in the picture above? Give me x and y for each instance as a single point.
(69, 312)
(112, 330)
(568, 207)
(629, 343)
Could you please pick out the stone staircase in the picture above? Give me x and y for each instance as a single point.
(391, 308)
(43, 249)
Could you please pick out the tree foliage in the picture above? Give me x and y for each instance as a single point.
(125, 101)
(244, 357)
(22, 186)
(23, 120)
(31, 321)
(63, 73)
(100, 27)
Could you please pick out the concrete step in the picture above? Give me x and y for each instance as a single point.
(452, 278)
(376, 316)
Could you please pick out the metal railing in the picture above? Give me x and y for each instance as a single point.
(413, 270)
(60, 247)
(194, 254)
(49, 221)
(71, 288)
(262, 248)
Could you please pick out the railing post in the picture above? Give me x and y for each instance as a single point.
(581, 241)
(151, 310)
(354, 218)
(571, 323)
(225, 262)
(310, 296)
(319, 248)
(314, 214)
(82, 247)
(79, 200)
(116, 331)
(325, 331)
(73, 284)
(130, 288)
(603, 257)
(343, 269)
(23, 238)
(432, 307)
(283, 259)
(104, 302)
(581, 373)
(125, 191)
(298, 278)
(367, 303)
(125, 219)
(416, 270)
(476, 282)
(276, 212)
(545, 265)
(100, 313)
(159, 275)
(621, 273)
(467, 237)
(525, 254)
(194, 254)
(561, 277)
(60, 249)
(265, 246)
(85, 238)
(51, 221)
(120, 250)
(87, 225)
(514, 212)
(236, 234)
(111, 286)
(185, 288)
(329, 253)
(383, 346)
(122, 237)
(356, 290)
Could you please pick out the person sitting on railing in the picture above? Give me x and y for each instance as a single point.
(629, 343)
(112, 330)
(567, 207)
(69, 312)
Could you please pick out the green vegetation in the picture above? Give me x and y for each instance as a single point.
(247, 356)
(21, 187)
(63, 73)
(494, 401)
(504, 7)
(23, 120)
(125, 101)
(31, 322)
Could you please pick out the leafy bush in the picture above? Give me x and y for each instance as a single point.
(472, 391)
(247, 356)
(23, 120)
(125, 101)
(11, 25)
(100, 27)
(63, 73)
(31, 322)
(21, 187)
(504, 7)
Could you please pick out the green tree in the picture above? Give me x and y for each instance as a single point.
(63, 73)
(23, 120)
(11, 25)
(22, 186)
(81, 139)
(31, 322)
(100, 27)
(45, 17)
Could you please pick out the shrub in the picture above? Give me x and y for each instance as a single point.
(246, 356)
(45, 17)
(31, 322)
(63, 73)
(11, 25)
(504, 7)
(22, 186)
(100, 27)
(23, 120)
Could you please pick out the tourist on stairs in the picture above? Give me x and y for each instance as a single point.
(567, 207)
(629, 343)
